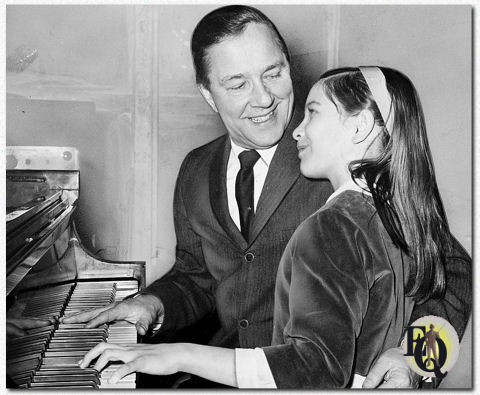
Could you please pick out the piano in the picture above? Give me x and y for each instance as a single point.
(50, 274)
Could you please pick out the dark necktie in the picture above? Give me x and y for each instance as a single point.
(244, 189)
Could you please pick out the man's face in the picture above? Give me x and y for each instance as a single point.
(250, 87)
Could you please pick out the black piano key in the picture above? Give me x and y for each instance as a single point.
(54, 353)
(25, 366)
(22, 382)
(66, 377)
(48, 370)
(65, 385)
(27, 338)
(26, 351)
(60, 361)
(76, 346)
(79, 326)
(81, 330)
(79, 334)
(41, 330)
(34, 356)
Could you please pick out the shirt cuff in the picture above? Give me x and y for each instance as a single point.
(156, 325)
(358, 381)
(252, 369)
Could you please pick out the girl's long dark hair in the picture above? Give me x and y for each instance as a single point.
(402, 178)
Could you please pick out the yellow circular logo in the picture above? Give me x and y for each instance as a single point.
(431, 346)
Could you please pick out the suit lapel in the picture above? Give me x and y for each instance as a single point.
(218, 193)
(282, 173)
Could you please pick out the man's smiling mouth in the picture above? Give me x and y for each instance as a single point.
(262, 119)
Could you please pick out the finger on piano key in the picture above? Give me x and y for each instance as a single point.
(93, 354)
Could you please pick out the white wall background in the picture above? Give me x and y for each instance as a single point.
(433, 46)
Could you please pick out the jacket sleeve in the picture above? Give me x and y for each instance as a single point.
(322, 294)
(456, 305)
(187, 291)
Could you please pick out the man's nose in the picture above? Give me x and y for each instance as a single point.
(262, 97)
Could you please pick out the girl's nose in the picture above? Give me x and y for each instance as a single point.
(298, 132)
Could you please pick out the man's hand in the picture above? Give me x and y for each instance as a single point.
(142, 311)
(391, 371)
(19, 326)
(157, 359)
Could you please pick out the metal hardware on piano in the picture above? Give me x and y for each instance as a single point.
(50, 273)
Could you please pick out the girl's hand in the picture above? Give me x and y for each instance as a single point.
(158, 359)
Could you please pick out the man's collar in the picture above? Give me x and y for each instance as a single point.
(266, 154)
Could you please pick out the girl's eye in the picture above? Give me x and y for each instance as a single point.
(311, 111)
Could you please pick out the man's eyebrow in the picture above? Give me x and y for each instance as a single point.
(231, 77)
(228, 78)
(279, 64)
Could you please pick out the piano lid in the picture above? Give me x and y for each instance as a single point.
(42, 188)
(16, 216)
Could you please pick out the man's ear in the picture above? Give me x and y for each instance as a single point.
(207, 96)
(365, 123)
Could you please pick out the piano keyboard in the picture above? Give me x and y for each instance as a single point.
(48, 357)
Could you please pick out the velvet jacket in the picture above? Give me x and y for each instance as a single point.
(340, 296)
(216, 269)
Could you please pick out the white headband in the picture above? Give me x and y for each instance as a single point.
(378, 86)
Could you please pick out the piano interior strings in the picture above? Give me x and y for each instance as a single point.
(50, 273)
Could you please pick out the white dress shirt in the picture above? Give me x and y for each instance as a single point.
(260, 170)
(251, 365)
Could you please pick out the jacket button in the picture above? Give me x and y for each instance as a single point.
(243, 324)
(249, 257)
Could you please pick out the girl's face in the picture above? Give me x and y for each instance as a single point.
(323, 138)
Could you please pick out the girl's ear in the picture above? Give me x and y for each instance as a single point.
(207, 96)
(365, 123)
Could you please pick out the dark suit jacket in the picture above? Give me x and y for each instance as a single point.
(216, 269)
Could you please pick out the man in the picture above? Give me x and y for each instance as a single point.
(229, 242)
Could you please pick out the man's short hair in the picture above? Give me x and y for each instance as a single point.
(221, 23)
